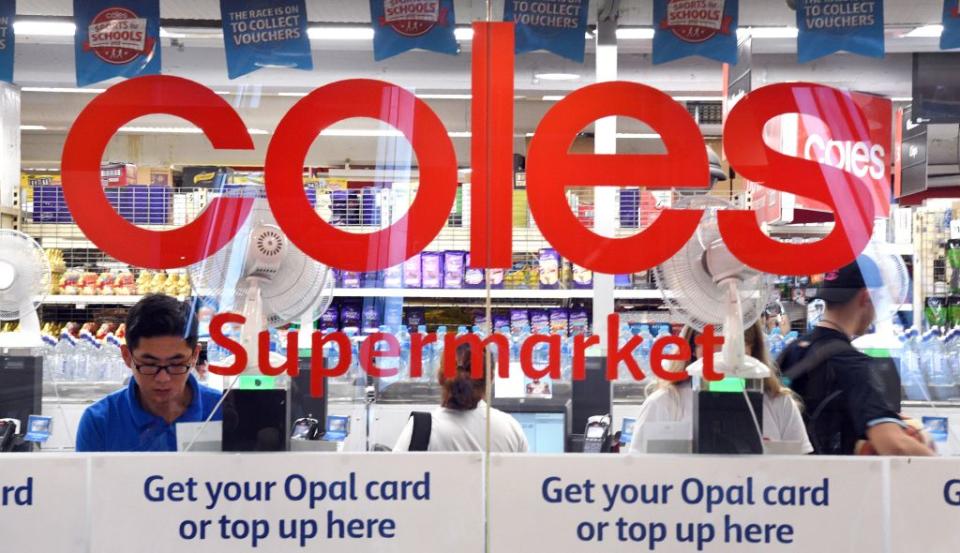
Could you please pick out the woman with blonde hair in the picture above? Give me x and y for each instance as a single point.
(673, 401)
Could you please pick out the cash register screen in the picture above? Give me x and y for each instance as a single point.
(544, 431)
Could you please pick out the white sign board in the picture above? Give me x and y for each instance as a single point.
(925, 505)
(287, 502)
(43, 503)
(603, 503)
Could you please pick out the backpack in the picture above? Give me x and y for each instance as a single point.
(810, 361)
(422, 426)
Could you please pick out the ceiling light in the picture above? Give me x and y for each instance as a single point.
(162, 130)
(32, 128)
(222, 92)
(444, 96)
(466, 169)
(292, 94)
(552, 98)
(459, 134)
(926, 31)
(463, 33)
(640, 135)
(635, 33)
(901, 99)
(63, 90)
(44, 28)
(361, 132)
(340, 33)
(177, 130)
(556, 76)
(769, 32)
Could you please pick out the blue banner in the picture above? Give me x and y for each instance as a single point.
(116, 38)
(558, 26)
(8, 8)
(950, 38)
(265, 33)
(705, 28)
(828, 26)
(401, 25)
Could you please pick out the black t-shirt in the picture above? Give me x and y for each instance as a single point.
(857, 394)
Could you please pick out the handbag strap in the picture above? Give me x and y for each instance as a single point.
(422, 425)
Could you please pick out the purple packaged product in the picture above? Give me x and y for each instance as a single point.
(330, 318)
(371, 316)
(539, 321)
(479, 318)
(454, 265)
(393, 312)
(549, 265)
(349, 279)
(501, 320)
(496, 278)
(519, 319)
(582, 277)
(350, 316)
(473, 277)
(370, 279)
(621, 281)
(559, 322)
(415, 317)
(431, 266)
(393, 277)
(579, 322)
(411, 272)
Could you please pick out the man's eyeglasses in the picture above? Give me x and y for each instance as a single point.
(153, 370)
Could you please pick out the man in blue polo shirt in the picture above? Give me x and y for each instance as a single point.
(161, 350)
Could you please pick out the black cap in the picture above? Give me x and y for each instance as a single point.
(841, 285)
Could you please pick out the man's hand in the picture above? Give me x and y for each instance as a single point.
(890, 439)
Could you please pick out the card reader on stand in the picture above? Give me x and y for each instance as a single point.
(256, 414)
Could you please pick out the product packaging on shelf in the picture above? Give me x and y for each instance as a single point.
(350, 315)
(519, 320)
(539, 321)
(579, 321)
(496, 278)
(549, 262)
(454, 265)
(473, 277)
(559, 321)
(582, 277)
(370, 279)
(393, 312)
(432, 269)
(370, 317)
(118, 174)
(501, 320)
(350, 279)
(393, 277)
(414, 317)
(621, 281)
(412, 272)
(330, 318)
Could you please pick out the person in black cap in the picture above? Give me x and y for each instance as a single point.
(843, 397)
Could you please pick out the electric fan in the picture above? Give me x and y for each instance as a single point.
(889, 298)
(265, 277)
(704, 284)
(24, 281)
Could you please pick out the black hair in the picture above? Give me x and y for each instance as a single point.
(161, 315)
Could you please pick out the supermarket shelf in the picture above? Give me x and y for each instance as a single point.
(397, 293)
(91, 300)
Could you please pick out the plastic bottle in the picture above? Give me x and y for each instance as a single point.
(945, 385)
(51, 359)
(403, 337)
(911, 377)
(426, 357)
(68, 361)
(436, 364)
(387, 363)
(775, 342)
(566, 358)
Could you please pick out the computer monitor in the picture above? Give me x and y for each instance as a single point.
(546, 432)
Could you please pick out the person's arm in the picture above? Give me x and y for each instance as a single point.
(403, 442)
(889, 438)
(660, 406)
(792, 428)
(89, 434)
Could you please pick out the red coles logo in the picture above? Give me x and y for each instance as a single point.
(413, 17)
(118, 36)
(696, 20)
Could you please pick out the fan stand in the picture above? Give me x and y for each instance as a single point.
(733, 360)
